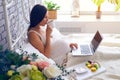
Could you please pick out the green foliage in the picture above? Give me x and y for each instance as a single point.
(34, 56)
(3, 77)
(8, 58)
(16, 58)
(11, 60)
(116, 2)
(117, 6)
(51, 5)
(98, 2)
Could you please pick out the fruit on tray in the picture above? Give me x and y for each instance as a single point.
(93, 69)
(93, 66)
(89, 65)
(96, 65)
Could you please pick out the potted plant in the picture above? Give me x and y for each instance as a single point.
(98, 3)
(52, 9)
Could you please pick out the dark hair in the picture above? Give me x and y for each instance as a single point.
(37, 14)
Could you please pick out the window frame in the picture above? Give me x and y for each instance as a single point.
(87, 12)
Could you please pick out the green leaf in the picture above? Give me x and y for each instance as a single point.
(3, 77)
(51, 5)
(117, 6)
(98, 2)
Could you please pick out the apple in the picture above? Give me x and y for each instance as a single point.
(96, 65)
(89, 65)
(93, 69)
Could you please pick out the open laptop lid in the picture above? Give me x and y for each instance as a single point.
(96, 41)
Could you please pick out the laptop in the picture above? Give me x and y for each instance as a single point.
(88, 49)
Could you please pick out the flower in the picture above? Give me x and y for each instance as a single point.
(31, 72)
(52, 71)
(23, 70)
(10, 72)
(16, 77)
(43, 64)
(21, 66)
(34, 67)
(36, 75)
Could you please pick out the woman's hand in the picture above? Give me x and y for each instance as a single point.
(48, 30)
(73, 45)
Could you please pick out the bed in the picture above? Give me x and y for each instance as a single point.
(108, 53)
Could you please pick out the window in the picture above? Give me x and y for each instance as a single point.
(86, 7)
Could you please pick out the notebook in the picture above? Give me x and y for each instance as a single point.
(88, 49)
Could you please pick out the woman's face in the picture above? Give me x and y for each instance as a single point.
(44, 21)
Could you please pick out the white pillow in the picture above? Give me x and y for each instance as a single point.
(56, 33)
(30, 49)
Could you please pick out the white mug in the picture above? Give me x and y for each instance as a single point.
(51, 23)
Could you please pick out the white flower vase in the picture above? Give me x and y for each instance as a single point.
(75, 8)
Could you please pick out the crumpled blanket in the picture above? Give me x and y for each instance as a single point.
(108, 55)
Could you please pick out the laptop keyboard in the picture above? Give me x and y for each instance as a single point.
(85, 49)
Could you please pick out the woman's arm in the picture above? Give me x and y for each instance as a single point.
(48, 42)
(35, 40)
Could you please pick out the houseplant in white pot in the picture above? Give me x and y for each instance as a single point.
(52, 9)
(98, 3)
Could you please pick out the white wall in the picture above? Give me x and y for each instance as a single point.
(105, 27)
(89, 24)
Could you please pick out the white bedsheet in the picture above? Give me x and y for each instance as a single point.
(108, 55)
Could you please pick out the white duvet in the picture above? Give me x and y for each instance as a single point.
(108, 55)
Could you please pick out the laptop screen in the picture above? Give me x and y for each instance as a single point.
(96, 40)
